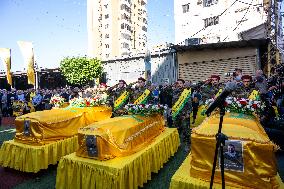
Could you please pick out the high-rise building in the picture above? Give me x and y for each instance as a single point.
(116, 28)
(212, 21)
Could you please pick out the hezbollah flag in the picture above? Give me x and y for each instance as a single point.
(28, 54)
(5, 55)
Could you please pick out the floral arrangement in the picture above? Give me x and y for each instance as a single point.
(56, 101)
(147, 109)
(87, 102)
(245, 106)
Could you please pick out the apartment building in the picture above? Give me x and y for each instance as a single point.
(213, 21)
(116, 28)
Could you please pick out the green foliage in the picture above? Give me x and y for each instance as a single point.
(80, 70)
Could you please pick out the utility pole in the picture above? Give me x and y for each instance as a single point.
(273, 56)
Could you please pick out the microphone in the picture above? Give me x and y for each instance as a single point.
(219, 101)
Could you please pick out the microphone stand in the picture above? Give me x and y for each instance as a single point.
(220, 143)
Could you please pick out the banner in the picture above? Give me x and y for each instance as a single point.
(121, 100)
(5, 55)
(28, 55)
(143, 98)
(179, 104)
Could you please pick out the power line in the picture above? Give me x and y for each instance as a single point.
(206, 27)
(248, 10)
(250, 4)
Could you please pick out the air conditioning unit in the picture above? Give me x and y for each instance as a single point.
(192, 41)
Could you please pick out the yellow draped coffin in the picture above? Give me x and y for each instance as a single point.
(43, 127)
(120, 136)
(258, 170)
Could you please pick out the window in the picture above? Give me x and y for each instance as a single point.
(125, 7)
(125, 36)
(125, 17)
(144, 28)
(125, 45)
(126, 26)
(211, 21)
(106, 16)
(241, 21)
(185, 8)
(208, 3)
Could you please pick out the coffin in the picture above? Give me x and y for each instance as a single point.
(119, 136)
(249, 154)
(43, 127)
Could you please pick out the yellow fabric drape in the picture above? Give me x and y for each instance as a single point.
(183, 179)
(5, 55)
(29, 158)
(121, 136)
(259, 169)
(28, 54)
(56, 124)
(122, 172)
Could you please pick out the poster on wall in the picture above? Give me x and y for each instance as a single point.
(233, 156)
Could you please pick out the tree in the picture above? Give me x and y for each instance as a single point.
(80, 70)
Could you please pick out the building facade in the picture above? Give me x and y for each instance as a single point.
(162, 63)
(116, 28)
(213, 21)
(198, 62)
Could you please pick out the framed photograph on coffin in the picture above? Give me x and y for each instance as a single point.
(233, 156)
(27, 127)
(91, 143)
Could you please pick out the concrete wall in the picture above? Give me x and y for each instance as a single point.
(162, 67)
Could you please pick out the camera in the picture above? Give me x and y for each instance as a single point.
(230, 74)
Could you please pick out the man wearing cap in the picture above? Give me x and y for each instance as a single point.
(116, 92)
(211, 87)
(245, 88)
(182, 120)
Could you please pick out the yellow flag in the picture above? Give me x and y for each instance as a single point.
(5, 55)
(28, 54)
(254, 95)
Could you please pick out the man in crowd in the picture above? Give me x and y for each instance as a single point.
(37, 99)
(139, 90)
(245, 88)
(182, 120)
(114, 93)
(211, 88)
(261, 84)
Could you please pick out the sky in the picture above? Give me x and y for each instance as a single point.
(58, 28)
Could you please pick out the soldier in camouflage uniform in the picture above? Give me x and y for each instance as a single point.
(114, 93)
(139, 90)
(182, 121)
(244, 88)
(211, 88)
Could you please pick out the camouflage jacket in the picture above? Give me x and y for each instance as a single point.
(114, 94)
(187, 107)
(209, 91)
(242, 92)
(137, 92)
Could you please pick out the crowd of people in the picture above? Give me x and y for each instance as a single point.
(270, 91)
